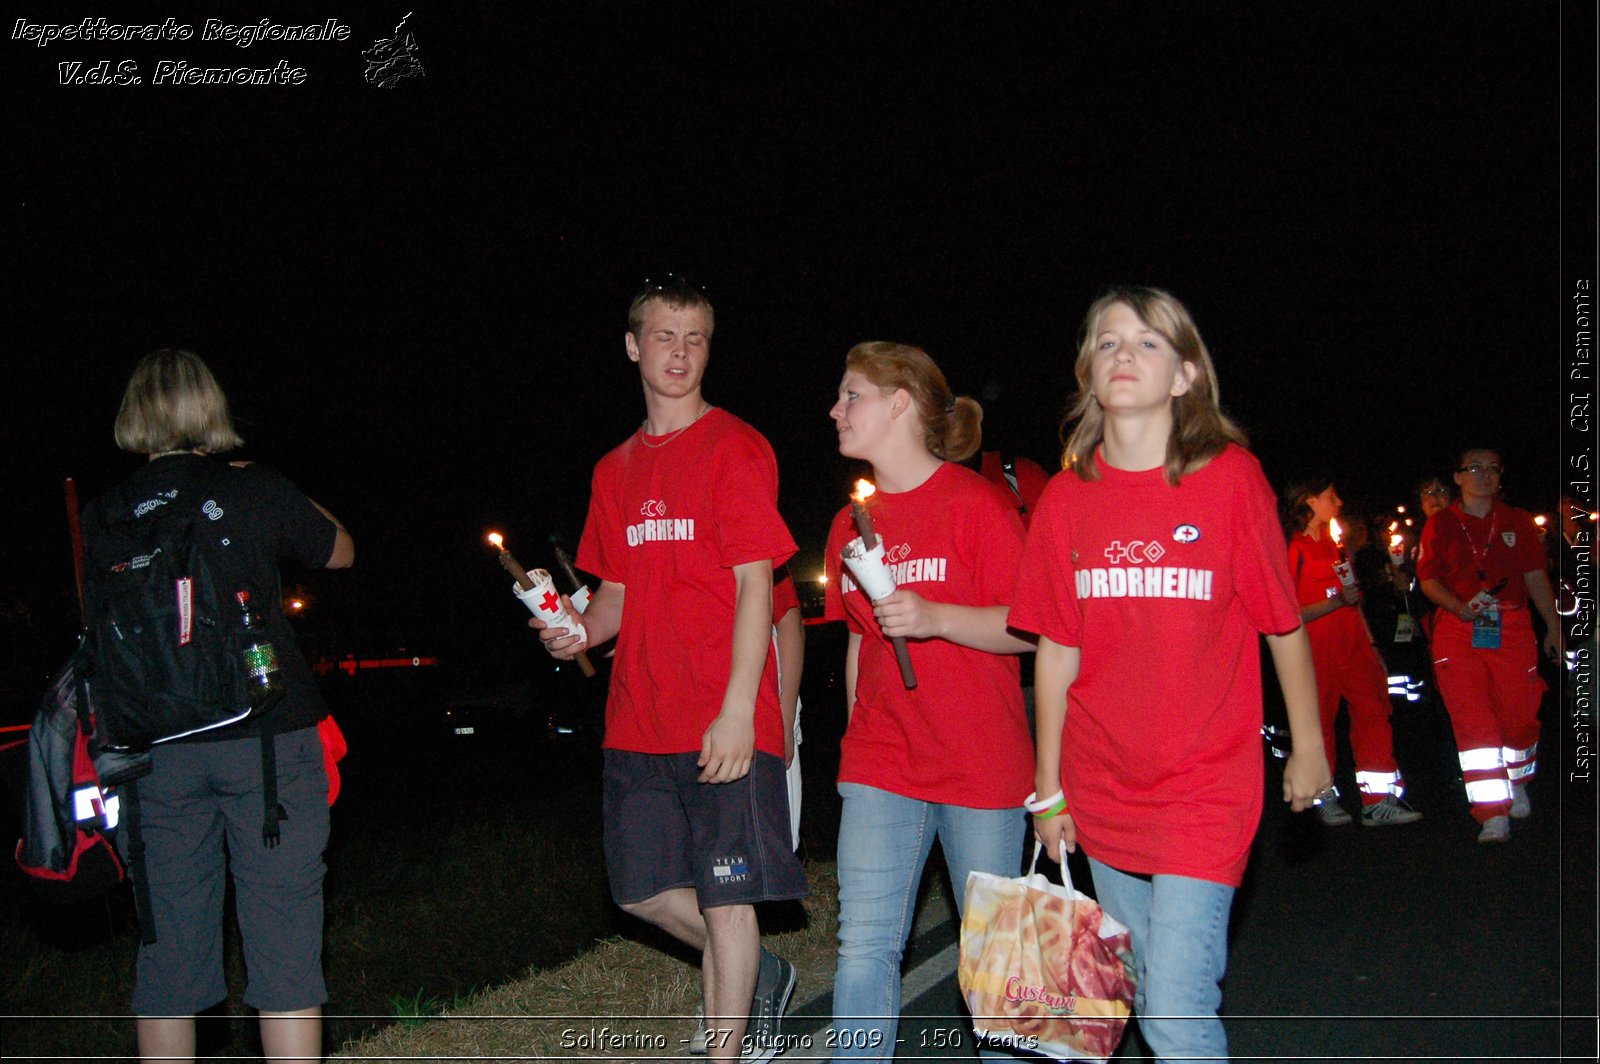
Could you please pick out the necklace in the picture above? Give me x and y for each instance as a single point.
(704, 410)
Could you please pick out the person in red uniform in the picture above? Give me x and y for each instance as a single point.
(1151, 566)
(949, 759)
(1020, 477)
(1481, 562)
(684, 532)
(1347, 666)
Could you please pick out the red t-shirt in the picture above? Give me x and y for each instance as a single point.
(784, 595)
(960, 738)
(1311, 566)
(1031, 479)
(1504, 545)
(669, 523)
(1164, 590)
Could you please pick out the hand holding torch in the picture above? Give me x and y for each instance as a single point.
(864, 557)
(536, 590)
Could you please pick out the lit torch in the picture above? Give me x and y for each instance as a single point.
(1541, 521)
(536, 590)
(864, 558)
(1341, 568)
(1397, 549)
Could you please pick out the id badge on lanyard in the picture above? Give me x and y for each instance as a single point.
(1486, 623)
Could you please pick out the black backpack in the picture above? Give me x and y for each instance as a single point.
(163, 651)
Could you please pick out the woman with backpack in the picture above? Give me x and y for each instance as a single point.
(1151, 565)
(257, 785)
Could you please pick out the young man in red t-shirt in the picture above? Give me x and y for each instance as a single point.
(683, 531)
(1482, 564)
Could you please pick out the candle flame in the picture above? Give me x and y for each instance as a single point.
(1399, 509)
(496, 539)
(864, 490)
(1394, 525)
(1396, 540)
(1541, 520)
(1408, 522)
(1336, 532)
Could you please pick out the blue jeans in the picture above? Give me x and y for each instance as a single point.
(884, 841)
(1180, 944)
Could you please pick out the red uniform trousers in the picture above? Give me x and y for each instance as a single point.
(1347, 667)
(1493, 698)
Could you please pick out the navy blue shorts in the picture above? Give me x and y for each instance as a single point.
(727, 841)
(197, 796)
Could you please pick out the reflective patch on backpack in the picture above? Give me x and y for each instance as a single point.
(185, 611)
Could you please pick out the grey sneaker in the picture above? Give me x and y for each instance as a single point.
(1388, 812)
(1495, 829)
(1332, 813)
(699, 1043)
(1521, 808)
(763, 1037)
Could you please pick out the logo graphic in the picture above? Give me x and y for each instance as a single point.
(730, 869)
(394, 59)
(654, 508)
(1186, 533)
(1138, 550)
(898, 554)
(1510, 538)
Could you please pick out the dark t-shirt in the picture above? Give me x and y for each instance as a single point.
(257, 517)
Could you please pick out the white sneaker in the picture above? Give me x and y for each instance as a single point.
(1388, 812)
(699, 1043)
(1333, 814)
(1521, 808)
(1495, 829)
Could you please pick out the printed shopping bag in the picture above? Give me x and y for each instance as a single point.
(1043, 967)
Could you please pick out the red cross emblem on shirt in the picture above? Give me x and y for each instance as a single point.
(551, 601)
(1118, 553)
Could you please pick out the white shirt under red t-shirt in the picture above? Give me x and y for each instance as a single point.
(961, 737)
(1505, 544)
(669, 523)
(1164, 590)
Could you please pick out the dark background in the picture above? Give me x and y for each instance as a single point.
(415, 295)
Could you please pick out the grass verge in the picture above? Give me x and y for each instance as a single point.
(624, 997)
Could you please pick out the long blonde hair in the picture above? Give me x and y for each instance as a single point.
(952, 426)
(1200, 430)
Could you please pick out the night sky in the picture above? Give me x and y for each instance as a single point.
(415, 295)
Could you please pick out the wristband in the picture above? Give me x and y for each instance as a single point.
(1032, 805)
(1055, 810)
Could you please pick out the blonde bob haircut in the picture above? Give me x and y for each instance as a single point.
(173, 403)
(952, 427)
(1200, 430)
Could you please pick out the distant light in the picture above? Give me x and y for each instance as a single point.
(1399, 509)
(296, 605)
(1408, 522)
(823, 579)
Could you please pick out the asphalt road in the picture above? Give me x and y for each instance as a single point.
(1407, 943)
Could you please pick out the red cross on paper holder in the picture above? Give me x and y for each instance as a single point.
(551, 602)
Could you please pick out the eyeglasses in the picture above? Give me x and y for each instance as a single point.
(1437, 489)
(1477, 468)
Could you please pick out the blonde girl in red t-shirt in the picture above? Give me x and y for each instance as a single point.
(950, 759)
(1151, 565)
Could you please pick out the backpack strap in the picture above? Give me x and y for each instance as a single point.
(136, 865)
(272, 811)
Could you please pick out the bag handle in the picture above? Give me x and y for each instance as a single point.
(1033, 865)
